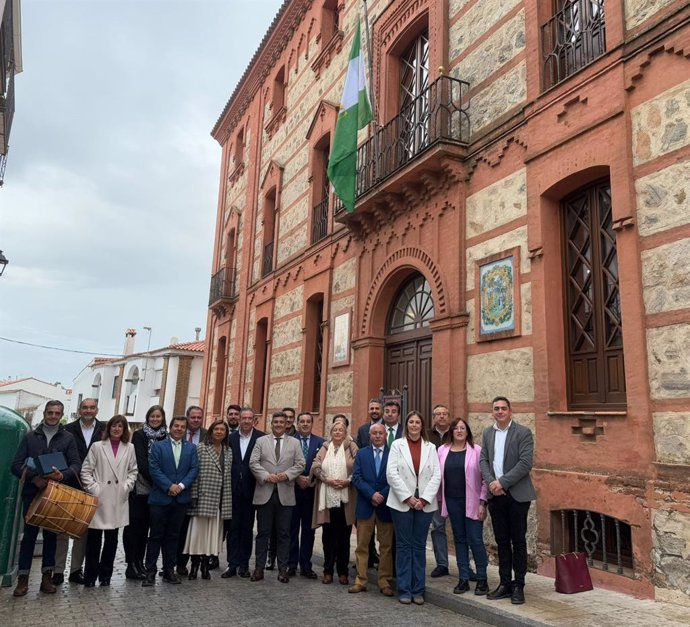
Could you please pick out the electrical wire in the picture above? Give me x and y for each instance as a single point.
(57, 348)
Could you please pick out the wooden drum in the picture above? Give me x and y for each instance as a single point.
(62, 509)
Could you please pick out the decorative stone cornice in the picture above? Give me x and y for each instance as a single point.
(275, 41)
(276, 121)
(330, 50)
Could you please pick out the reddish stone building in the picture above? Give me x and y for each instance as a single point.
(522, 228)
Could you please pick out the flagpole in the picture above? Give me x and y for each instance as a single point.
(375, 117)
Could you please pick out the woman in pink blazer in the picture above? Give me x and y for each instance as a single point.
(463, 499)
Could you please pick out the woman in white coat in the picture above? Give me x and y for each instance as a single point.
(414, 477)
(108, 472)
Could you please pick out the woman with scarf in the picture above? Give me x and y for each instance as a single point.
(211, 499)
(136, 533)
(335, 499)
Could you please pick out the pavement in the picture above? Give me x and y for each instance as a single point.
(303, 602)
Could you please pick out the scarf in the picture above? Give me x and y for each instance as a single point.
(155, 435)
(334, 466)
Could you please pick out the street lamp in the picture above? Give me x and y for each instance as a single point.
(3, 263)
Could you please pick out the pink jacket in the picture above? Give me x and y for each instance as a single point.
(475, 488)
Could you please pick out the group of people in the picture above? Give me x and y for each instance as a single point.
(182, 490)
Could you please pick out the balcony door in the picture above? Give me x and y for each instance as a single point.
(414, 98)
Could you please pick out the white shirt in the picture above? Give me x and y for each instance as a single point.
(388, 429)
(87, 432)
(196, 436)
(244, 442)
(500, 449)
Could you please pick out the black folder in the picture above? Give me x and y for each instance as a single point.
(45, 463)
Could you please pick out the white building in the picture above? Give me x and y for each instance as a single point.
(129, 385)
(28, 396)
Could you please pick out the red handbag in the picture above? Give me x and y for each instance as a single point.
(572, 573)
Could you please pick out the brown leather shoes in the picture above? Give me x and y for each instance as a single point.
(47, 584)
(22, 586)
(257, 575)
(387, 591)
(343, 580)
(327, 578)
(357, 587)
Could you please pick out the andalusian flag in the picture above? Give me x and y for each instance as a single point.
(355, 114)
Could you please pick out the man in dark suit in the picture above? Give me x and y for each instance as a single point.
(232, 417)
(276, 462)
(392, 421)
(86, 430)
(506, 460)
(194, 435)
(301, 549)
(174, 466)
(240, 528)
(369, 477)
(374, 410)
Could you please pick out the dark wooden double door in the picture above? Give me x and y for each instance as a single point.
(409, 363)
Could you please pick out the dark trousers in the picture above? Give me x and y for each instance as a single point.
(182, 557)
(267, 515)
(509, 521)
(239, 533)
(100, 564)
(135, 534)
(467, 534)
(301, 532)
(26, 548)
(166, 521)
(336, 542)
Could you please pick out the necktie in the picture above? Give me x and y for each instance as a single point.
(277, 449)
(176, 452)
(305, 447)
(191, 438)
(391, 436)
(377, 460)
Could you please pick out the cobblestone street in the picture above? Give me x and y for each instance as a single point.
(216, 602)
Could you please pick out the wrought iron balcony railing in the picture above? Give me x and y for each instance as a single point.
(222, 286)
(574, 37)
(319, 221)
(267, 265)
(438, 115)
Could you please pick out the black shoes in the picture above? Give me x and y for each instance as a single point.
(462, 587)
(213, 562)
(502, 592)
(229, 572)
(291, 572)
(58, 579)
(193, 571)
(182, 571)
(283, 577)
(76, 577)
(309, 574)
(133, 572)
(439, 571)
(482, 587)
(518, 596)
(150, 579)
(171, 577)
(243, 572)
(205, 574)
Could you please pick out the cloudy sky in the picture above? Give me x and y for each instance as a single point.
(108, 209)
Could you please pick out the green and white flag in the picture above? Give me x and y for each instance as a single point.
(355, 114)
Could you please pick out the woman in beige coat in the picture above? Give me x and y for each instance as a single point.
(108, 472)
(335, 500)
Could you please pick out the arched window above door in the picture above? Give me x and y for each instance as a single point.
(413, 307)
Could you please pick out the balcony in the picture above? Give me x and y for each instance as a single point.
(319, 221)
(573, 38)
(6, 116)
(435, 124)
(267, 263)
(222, 287)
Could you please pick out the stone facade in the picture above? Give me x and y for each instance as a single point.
(616, 123)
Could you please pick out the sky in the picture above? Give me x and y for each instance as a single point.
(108, 210)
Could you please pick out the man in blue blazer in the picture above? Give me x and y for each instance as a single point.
(239, 530)
(301, 550)
(369, 477)
(173, 465)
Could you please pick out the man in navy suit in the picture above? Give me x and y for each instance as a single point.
(239, 530)
(392, 422)
(301, 550)
(369, 477)
(173, 465)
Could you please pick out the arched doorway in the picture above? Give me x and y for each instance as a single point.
(408, 343)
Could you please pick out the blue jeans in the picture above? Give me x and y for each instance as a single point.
(467, 533)
(411, 529)
(439, 539)
(26, 548)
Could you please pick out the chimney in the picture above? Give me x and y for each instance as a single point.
(129, 341)
(197, 331)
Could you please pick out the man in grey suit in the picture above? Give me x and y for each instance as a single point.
(506, 460)
(276, 461)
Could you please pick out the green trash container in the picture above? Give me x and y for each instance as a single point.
(12, 429)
